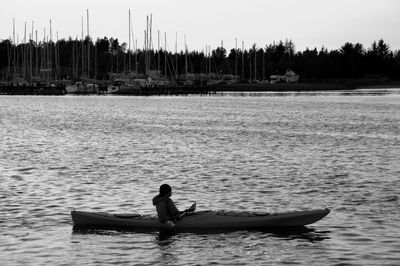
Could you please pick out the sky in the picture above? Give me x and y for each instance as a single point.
(308, 23)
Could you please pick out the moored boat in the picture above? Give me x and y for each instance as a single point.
(122, 87)
(201, 220)
(81, 87)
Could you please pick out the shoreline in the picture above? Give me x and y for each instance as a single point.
(220, 88)
(323, 86)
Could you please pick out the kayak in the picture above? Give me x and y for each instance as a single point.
(201, 220)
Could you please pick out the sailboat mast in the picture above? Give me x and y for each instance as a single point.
(242, 59)
(176, 55)
(129, 50)
(236, 57)
(250, 66)
(83, 51)
(42, 51)
(209, 59)
(186, 62)
(36, 55)
(206, 57)
(146, 46)
(158, 57)
(88, 48)
(255, 62)
(14, 48)
(24, 55)
(8, 59)
(136, 65)
(151, 32)
(50, 62)
(95, 62)
(263, 64)
(165, 54)
(31, 54)
(73, 58)
(51, 32)
(56, 56)
(134, 45)
(151, 40)
(145, 52)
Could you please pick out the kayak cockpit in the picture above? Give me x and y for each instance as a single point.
(241, 214)
(127, 215)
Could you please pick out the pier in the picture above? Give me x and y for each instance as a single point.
(32, 89)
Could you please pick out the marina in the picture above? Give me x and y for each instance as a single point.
(56, 66)
(101, 89)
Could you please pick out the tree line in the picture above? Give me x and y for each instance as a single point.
(69, 59)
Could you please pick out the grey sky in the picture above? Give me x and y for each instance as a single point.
(308, 23)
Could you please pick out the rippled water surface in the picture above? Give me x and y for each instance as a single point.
(268, 153)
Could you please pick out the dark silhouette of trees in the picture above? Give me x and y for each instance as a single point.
(352, 56)
(69, 59)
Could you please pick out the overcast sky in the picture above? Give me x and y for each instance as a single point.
(308, 23)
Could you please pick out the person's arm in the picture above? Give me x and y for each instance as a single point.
(172, 209)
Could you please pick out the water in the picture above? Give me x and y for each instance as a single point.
(269, 153)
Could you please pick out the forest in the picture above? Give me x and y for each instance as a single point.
(74, 59)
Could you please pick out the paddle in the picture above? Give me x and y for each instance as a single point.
(191, 209)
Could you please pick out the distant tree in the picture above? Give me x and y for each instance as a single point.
(396, 56)
(378, 58)
(123, 47)
(279, 51)
(219, 59)
(308, 64)
(115, 47)
(352, 55)
(5, 47)
(382, 49)
(290, 48)
(103, 45)
(351, 50)
(219, 55)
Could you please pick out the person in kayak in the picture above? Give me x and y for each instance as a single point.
(167, 212)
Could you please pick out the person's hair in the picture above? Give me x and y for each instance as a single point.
(165, 189)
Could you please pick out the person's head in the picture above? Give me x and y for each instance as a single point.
(165, 190)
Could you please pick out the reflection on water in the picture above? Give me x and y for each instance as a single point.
(355, 92)
(262, 154)
(165, 237)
